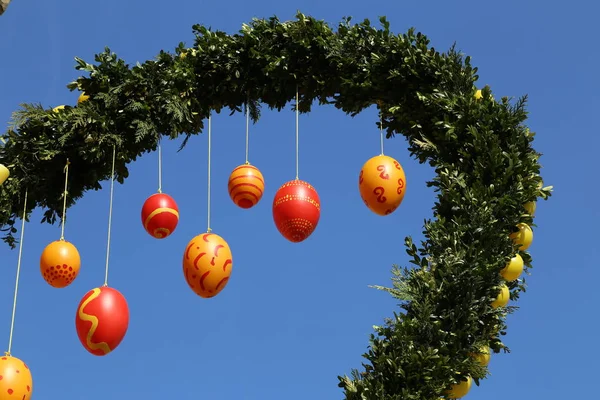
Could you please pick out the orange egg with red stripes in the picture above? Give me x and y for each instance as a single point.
(382, 184)
(246, 186)
(101, 320)
(160, 215)
(207, 264)
(59, 264)
(16, 382)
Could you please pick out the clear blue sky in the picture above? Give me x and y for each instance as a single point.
(294, 316)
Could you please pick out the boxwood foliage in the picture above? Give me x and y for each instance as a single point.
(480, 148)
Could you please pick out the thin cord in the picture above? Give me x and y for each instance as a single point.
(159, 168)
(64, 214)
(297, 144)
(14, 310)
(110, 212)
(247, 127)
(208, 185)
(381, 130)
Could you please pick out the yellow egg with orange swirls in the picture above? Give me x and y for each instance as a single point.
(15, 379)
(382, 184)
(207, 264)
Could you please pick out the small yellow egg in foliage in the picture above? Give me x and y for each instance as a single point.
(523, 237)
(4, 174)
(503, 297)
(58, 108)
(460, 389)
(478, 95)
(530, 207)
(483, 357)
(82, 97)
(513, 269)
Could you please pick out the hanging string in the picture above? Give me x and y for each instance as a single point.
(297, 134)
(64, 214)
(159, 167)
(247, 126)
(208, 184)
(381, 131)
(14, 310)
(110, 212)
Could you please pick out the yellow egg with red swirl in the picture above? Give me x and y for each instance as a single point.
(382, 184)
(160, 215)
(246, 186)
(59, 264)
(16, 382)
(207, 264)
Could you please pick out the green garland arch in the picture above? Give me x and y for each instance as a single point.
(480, 149)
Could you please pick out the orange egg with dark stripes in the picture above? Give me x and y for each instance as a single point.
(207, 264)
(160, 215)
(246, 186)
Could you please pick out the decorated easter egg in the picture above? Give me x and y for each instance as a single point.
(60, 263)
(246, 186)
(102, 320)
(296, 210)
(530, 207)
(523, 237)
(4, 174)
(503, 297)
(460, 389)
(207, 264)
(483, 357)
(15, 379)
(513, 269)
(382, 184)
(160, 215)
(82, 97)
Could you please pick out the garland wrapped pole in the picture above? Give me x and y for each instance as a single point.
(480, 149)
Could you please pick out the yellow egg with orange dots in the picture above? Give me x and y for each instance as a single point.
(459, 390)
(15, 379)
(246, 186)
(503, 297)
(59, 264)
(513, 269)
(207, 264)
(4, 174)
(382, 184)
(523, 237)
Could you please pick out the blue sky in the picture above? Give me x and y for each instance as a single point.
(294, 316)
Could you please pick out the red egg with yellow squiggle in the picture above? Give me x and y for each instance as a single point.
(296, 210)
(160, 215)
(207, 264)
(246, 186)
(102, 320)
(382, 184)
(15, 379)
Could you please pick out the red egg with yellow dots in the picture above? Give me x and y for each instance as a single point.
(382, 184)
(59, 264)
(246, 186)
(15, 379)
(207, 264)
(160, 215)
(296, 210)
(102, 320)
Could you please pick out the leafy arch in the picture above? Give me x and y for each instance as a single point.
(480, 149)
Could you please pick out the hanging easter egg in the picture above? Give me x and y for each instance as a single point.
(15, 379)
(503, 297)
(82, 97)
(523, 237)
(382, 184)
(483, 357)
(460, 389)
(102, 320)
(160, 215)
(60, 263)
(530, 207)
(296, 210)
(207, 264)
(246, 186)
(513, 269)
(4, 174)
